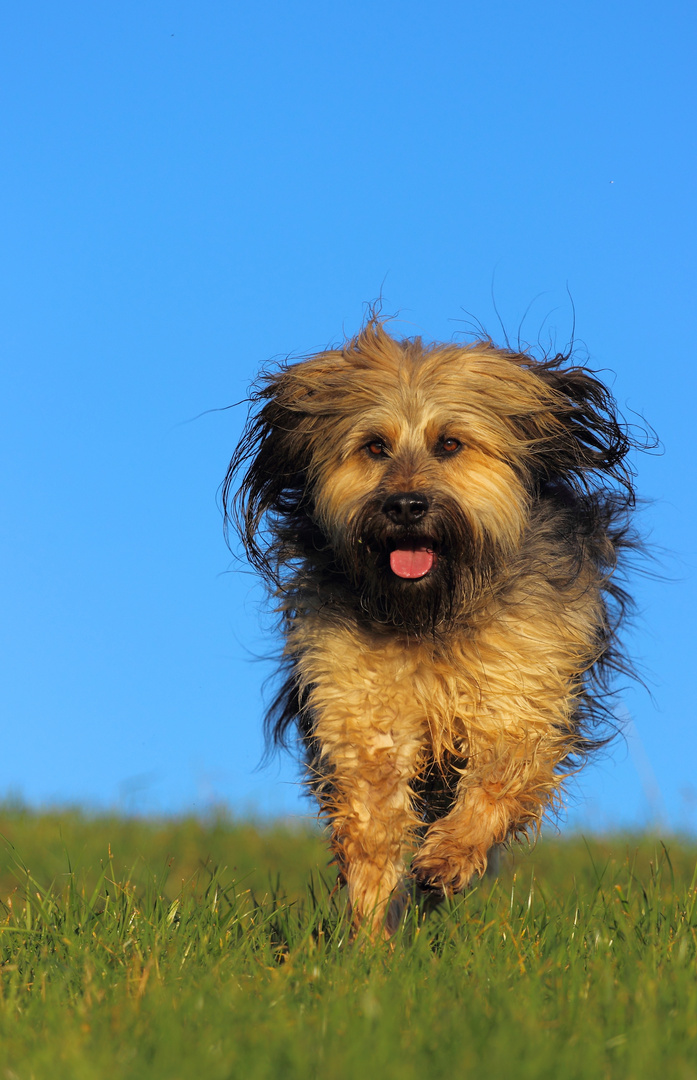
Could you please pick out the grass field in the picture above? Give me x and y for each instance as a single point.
(212, 950)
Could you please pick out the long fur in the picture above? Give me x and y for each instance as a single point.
(438, 714)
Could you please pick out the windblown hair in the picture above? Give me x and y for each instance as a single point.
(463, 513)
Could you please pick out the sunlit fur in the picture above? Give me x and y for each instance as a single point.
(439, 716)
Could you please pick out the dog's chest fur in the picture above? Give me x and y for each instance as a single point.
(505, 676)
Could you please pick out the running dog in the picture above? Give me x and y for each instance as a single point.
(441, 527)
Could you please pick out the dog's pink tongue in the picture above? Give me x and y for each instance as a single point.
(411, 562)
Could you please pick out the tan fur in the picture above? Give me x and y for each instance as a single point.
(489, 694)
(499, 693)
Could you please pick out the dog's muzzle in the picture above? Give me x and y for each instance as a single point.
(411, 558)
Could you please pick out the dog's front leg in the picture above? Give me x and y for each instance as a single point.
(367, 798)
(497, 801)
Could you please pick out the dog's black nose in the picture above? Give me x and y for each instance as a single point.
(405, 507)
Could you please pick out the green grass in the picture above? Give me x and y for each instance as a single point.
(212, 950)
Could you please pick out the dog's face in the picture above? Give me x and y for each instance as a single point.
(410, 470)
(419, 485)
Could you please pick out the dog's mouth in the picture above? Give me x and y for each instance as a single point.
(413, 560)
(409, 558)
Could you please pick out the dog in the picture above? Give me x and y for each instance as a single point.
(443, 528)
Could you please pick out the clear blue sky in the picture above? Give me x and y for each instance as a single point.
(189, 189)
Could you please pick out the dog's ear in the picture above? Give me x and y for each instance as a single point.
(274, 455)
(575, 431)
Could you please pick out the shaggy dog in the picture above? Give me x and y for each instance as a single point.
(441, 526)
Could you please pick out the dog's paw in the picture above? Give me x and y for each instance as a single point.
(441, 876)
(441, 868)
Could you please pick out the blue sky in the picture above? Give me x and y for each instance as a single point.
(188, 190)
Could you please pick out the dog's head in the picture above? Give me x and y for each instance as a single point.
(408, 471)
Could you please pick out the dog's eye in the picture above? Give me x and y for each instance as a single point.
(377, 448)
(450, 446)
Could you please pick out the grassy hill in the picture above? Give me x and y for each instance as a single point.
(183, 949)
